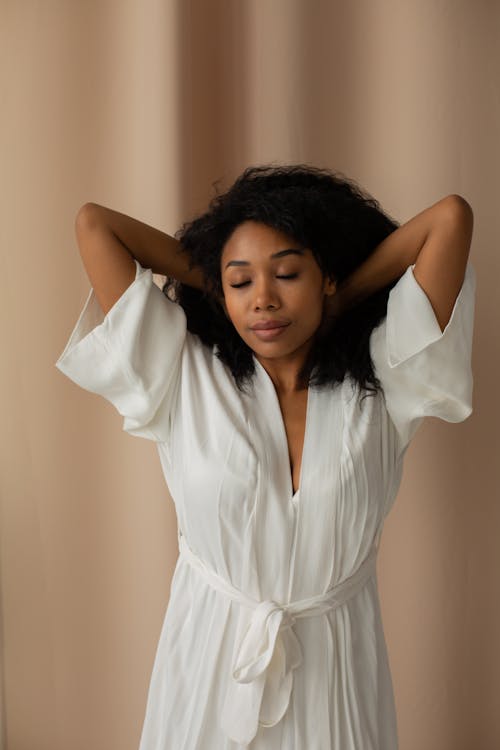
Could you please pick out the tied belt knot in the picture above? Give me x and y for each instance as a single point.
(262, 674)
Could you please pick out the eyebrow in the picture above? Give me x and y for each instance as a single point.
(280, 254)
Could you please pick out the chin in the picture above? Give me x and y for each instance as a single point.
(274, 351)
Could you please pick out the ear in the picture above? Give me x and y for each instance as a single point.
(329, 285)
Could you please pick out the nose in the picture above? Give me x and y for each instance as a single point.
(265, 296)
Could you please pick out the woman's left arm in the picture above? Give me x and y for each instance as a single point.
(437, 241)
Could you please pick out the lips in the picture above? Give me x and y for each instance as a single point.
(266, 325)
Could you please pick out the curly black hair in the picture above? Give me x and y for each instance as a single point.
(320, 209)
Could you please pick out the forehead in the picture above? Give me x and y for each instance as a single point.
(252, 241)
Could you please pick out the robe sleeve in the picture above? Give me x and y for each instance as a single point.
(131, 356)
(425, 371)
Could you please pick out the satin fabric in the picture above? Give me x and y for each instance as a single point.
(223, 677)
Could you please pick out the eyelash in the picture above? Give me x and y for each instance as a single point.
(244, 283)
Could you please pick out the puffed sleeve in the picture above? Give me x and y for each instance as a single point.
(131, 356)
(425, 371)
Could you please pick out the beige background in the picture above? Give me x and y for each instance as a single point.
(142, 106)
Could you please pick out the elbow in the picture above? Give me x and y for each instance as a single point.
(459, 203)
(460, 213)
(87, 216)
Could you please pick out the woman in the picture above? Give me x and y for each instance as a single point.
(300, 339)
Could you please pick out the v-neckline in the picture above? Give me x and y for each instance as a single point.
(284, 442)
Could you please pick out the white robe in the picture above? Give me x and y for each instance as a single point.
(252, 549)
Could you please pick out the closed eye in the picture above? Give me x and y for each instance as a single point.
(244, 283)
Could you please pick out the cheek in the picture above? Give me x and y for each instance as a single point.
(311, 303)
(313, 318)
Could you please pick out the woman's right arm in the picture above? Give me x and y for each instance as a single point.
(109, 241)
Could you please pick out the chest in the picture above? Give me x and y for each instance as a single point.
(293, 412)
(229, 445)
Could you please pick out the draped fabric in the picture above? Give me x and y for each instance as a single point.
(273, 635)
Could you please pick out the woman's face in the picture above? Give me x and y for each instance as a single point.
(254, 261)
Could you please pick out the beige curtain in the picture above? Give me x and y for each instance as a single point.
(142, 105)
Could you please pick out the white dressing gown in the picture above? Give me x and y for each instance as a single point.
(273, 635)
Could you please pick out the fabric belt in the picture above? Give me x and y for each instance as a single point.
(262, 675)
